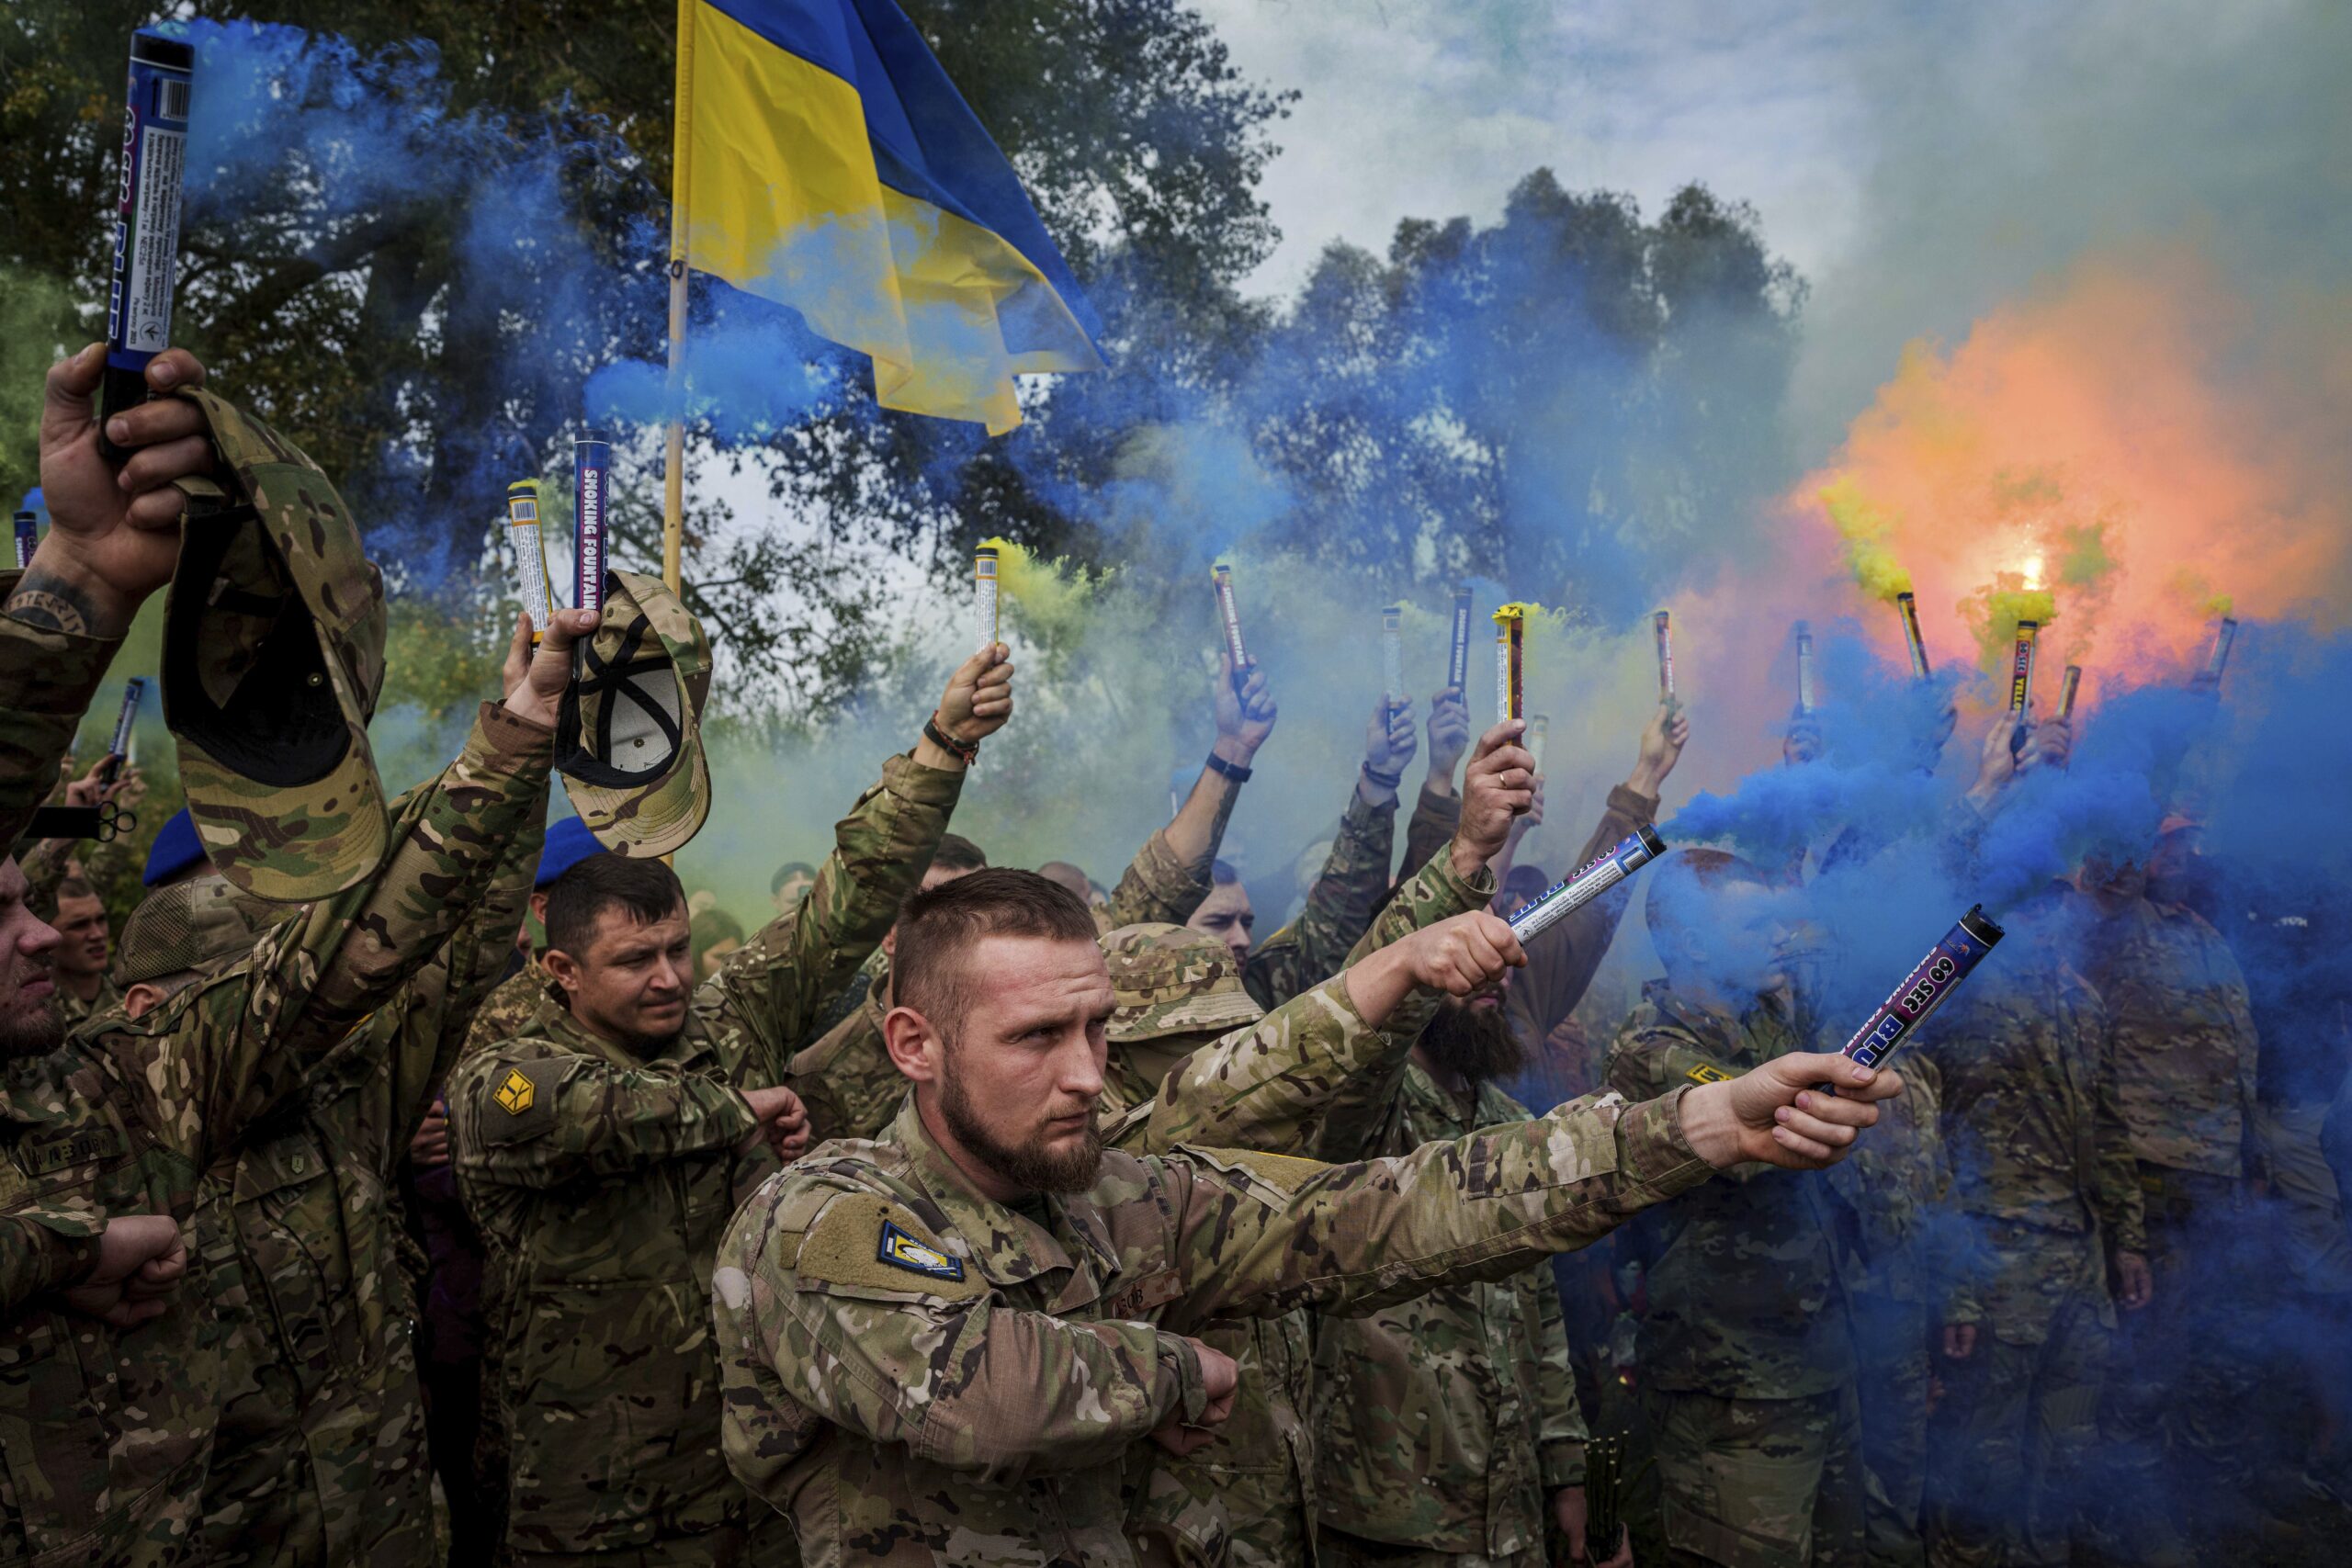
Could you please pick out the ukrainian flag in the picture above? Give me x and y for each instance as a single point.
(825, 161)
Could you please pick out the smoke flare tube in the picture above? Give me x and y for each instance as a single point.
(986, 605)
(1563, 898)
(119, 753)
(1392, 654)
(530, 554)
(147, 223)
(2067, 689)
(1510, 661)
(27, 537)
(2225, 637)
(1907, 607)
(1665, 624)
(1925, 989)
(1804, 670)
(1221, 576)
(592, 464)
(1457, 663)
(1538, 730)
(2021, 679)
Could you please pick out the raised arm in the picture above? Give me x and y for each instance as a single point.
(759, 1006)
(1170, 875)
(532, 1114)
(1355, 878)
(1438, 813)
(1315, 1074)
(1562, 962)
(113, 541)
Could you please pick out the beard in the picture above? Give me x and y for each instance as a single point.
(1031, 1167)
(1473, 1042)
(30, 1031)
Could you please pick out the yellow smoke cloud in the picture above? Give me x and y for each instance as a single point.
(1051, 599)
(1866, 530)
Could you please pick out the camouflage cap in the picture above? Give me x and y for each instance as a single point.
(628, 737)
(273, 655)
(187, 926)
(1173, 980)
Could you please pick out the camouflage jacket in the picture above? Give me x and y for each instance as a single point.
(49, 678)
(76, 1012)
(2042, 1165)
(1894, 1183)
(2184, 1050)
(321, 1454)
(601, 1179)
(847, 1080)
(1745, 1295)
(916, 1374)
(508, 1010)
(1561, 961)
(107, 1431)
(1446, 1422)
(1339, 907)
(1436, 818)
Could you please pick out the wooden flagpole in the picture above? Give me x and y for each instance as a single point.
(673, 467)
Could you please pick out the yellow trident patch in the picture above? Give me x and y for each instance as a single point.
(516, 1093)
(1705, 1073)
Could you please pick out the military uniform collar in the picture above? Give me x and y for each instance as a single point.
(557, 1023)
(1006, 1244)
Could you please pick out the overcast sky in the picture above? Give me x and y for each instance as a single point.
(1919, 163)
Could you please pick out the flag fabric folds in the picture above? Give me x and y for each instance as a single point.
(827, 163)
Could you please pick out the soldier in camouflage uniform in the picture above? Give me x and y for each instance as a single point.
(600, 1159)
(947, 1345)
(1354, 879)
(321, 1453)
(2185, 1067)
(1191, 1060)
(107, 1421)
(1746, 1353)
(846, 1079)
(2042, 1176)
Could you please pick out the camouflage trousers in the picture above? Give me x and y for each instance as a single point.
(1760, 1483)
(1891, 1351)
(2173, 1420)
(2011, 1443)
(1334, 1548)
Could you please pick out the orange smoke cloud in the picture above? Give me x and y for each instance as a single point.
(2135, 443)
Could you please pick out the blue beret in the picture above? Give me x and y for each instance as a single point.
(569, 843)
(177, 848)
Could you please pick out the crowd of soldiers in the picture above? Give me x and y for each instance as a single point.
(413, 1180)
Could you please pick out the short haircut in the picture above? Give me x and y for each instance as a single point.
(647, 889)
(1683, 879)
(1222, 874)
(938, 929)
(956, 853)
(1063, 873)
(786, 872)
(74, 887)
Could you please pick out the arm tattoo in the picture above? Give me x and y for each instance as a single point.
(44, 599)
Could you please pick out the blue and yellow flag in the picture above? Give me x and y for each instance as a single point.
(826, 162)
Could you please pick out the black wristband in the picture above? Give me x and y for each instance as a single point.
(1386, 781)
(945, 742)
(1233, 770)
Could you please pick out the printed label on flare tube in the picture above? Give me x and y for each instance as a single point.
(147, 220)
(592, 457)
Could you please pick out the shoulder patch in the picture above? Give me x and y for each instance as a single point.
(863, 1241)
(518, 1098)
(1284, 1173)
(1706, 1072)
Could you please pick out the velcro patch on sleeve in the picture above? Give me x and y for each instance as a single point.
(1284, 1173)
(865, 1242)
(1706, 1072)
(518, 1099)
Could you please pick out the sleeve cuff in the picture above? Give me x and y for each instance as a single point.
(506, 742)
(1657, 1153)
(1562, 1464)
(64, 1243)
(910, 781)
(1179, 1362)
(1633, 804)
